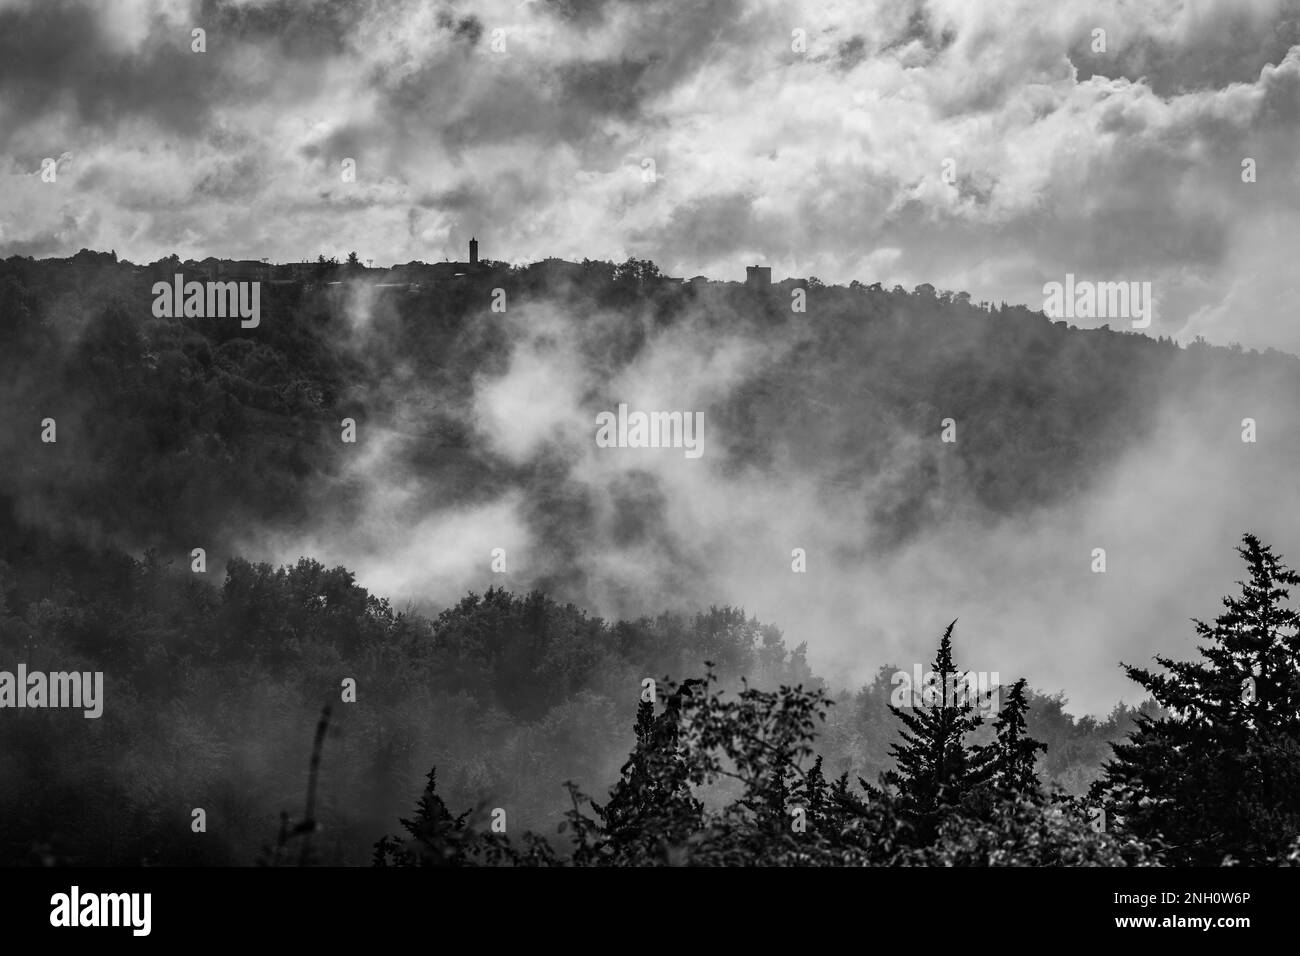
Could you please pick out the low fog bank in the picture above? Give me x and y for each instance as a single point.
(803, 449)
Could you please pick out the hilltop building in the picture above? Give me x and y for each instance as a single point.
(758, 277)
(416, 274)
(439, 271)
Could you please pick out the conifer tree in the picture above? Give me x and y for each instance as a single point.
(933, 763)
(652, 801)
(814, 794)
(434, 836)
(1008, 762)
(1219, 775)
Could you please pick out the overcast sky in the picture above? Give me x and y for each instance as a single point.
(827, 161)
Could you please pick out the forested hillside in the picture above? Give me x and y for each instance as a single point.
(223, 425)
(176, 434)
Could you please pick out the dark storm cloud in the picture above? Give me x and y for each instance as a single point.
(56, 55)
(1229, 46)
(582, 12)
(467, 29)
(608, 87)
(921, 29)
(495, 201)
(238, 177)
(553, 93)
(699, 228)
(852, 52)
(294, 29)
(1280, 109)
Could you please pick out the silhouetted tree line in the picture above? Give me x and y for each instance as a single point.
(713, 780)
(211, 691)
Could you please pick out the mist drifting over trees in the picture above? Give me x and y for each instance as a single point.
(498, 591)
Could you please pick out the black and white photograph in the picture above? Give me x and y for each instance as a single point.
(570, 434)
